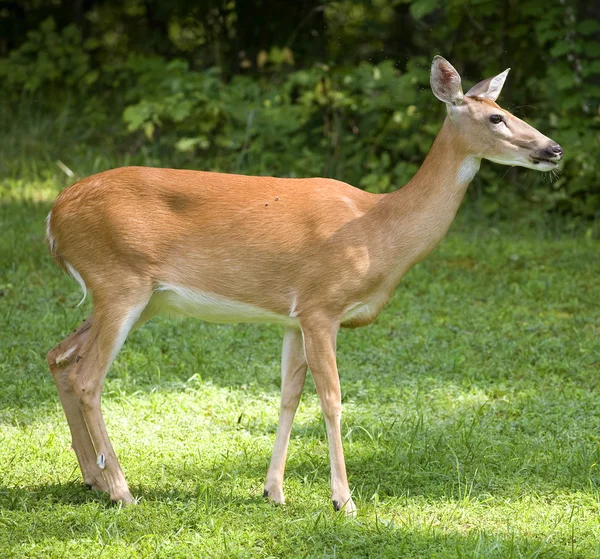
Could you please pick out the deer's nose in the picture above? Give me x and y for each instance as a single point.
(556, 150)
(553, 151)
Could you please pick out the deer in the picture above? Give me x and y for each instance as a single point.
(311, 254)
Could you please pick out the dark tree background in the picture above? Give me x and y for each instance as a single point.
(310, 87)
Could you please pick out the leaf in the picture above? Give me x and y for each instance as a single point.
(181, 111)
(135, 115)
(588, 26)
(288, 56)
(560, 48)
(262, 58)
(420, 8)
(186, 144)
(48, 25)
(591, 49)
(91, 77)
(149, 130)
(593, 68)
(91, 43)
(565, 82)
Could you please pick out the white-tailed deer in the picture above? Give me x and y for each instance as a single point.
(313, 255)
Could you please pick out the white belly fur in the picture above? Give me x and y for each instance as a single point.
(174, 300)
(359, 311)
(182, 301)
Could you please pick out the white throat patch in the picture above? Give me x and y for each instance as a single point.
(468, 169)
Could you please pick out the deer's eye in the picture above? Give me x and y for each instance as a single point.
(496, 119)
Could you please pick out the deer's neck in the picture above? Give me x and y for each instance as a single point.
(418, 215)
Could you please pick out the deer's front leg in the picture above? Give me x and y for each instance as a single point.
(319, 343)
(293, 374)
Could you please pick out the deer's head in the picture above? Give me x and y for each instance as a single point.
(486, 130)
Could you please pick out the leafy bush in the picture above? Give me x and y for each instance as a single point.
(357, 115)
(355, 123)
(48, 62)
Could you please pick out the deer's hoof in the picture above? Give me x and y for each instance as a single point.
(124, 500)
(347, 506)
(97, 485)
(275, 495)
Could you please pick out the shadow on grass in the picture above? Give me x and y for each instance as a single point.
(69, 513)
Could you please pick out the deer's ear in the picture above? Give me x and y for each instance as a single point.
(490, 88)
(445, 82)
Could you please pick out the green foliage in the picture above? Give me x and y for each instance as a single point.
(167, 85)
(49, 62)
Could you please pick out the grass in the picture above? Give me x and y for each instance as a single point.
(470, 424)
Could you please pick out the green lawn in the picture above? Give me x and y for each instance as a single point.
(471, 417)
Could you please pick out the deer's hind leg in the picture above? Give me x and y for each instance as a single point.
(61, 360)
(114, 317)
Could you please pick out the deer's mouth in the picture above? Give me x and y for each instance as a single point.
(548, 157)
(544, 163)
(538, 160)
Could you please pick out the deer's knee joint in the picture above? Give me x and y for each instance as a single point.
(51, 359)
(332, 408)
(59, 357)
(290, 403)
